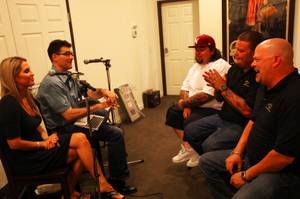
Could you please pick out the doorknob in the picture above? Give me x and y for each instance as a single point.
(166, 50)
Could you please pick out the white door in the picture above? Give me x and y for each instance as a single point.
(35, 23)
(7, 45)
(7, 48)
(178, 30)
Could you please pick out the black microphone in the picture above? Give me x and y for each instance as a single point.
(88, 61)
(53, 73)
(87, 85)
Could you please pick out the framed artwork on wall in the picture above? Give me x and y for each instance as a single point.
(273, 18)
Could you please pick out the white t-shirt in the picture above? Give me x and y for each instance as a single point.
(195, 83)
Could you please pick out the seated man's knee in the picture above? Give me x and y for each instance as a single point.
(174, 118)
(214, 161)
(190, 132)
(263, 186)
(206, 147)
(116, 133)
(170, 114)
(205, 162)
(210, 145)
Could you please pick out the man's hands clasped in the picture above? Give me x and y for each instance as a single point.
(214, 79)
(110, 98)
(234, 164)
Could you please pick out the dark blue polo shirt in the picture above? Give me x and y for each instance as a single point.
(277, 123)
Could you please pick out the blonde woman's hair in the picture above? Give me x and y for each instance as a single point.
(9, 69)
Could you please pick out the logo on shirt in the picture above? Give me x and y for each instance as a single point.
(246, 83)
(268, 107)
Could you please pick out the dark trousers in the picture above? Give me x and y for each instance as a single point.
(174, 117)
(272, 185)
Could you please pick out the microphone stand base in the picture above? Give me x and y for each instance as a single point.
(133, 162)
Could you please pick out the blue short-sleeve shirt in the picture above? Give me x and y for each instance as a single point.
(55, 95)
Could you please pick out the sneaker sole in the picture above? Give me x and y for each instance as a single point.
(184, 160)
(192, 165)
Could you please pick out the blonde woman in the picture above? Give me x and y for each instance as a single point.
(27, 144)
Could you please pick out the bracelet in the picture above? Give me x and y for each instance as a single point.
(38, 144)
(243, 176)
(236, 153)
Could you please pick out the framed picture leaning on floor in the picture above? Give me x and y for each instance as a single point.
(128, 103)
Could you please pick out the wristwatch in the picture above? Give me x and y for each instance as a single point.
(243, 176)
(223, 88)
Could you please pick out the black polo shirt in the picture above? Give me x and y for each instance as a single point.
(244, 85)
(277, 123)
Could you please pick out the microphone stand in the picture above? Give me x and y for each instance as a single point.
(107, 66)
(92, 141)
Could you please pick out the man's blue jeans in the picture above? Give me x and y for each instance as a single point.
(265, 186)
(117, 156)
(212, 133)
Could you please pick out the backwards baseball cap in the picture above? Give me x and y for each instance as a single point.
(204, 41)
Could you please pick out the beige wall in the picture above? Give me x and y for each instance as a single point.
(211, 19)
(103, 29)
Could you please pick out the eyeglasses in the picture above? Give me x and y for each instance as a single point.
(67, 54)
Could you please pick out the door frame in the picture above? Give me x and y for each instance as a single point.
(72, 34)
(161, 41)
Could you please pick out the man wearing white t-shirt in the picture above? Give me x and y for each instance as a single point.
(196, 97)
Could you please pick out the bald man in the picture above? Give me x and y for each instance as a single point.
(266, 161)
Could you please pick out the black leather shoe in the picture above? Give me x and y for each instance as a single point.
(121, 186)
(127, 190)
(110, 195)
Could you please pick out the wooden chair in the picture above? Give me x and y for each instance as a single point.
(18, 184)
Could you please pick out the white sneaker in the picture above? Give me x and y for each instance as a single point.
(193, 161)
(183, 155)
